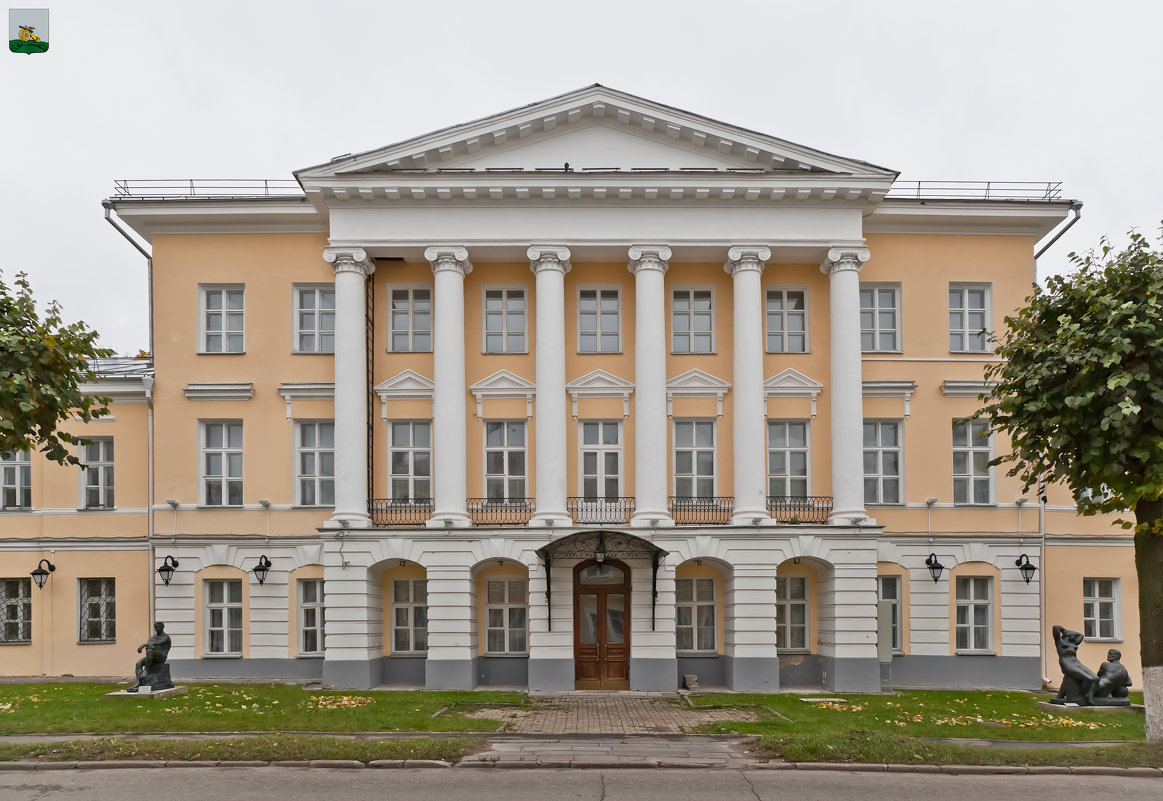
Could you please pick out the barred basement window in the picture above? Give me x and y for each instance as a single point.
(98, 610)
(15, 611)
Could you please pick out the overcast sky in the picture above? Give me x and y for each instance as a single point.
(1004, 90)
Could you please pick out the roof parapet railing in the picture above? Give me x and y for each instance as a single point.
(977, 190)
(206, 187)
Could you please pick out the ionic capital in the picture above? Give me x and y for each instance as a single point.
(549, 257)
(449, 259)
(349, 260)
(746, 258)
(842, 259)
(649, 257)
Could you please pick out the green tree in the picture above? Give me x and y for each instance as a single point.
(43, 363)
(1080, 392)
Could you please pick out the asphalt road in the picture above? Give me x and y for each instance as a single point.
(291, 784)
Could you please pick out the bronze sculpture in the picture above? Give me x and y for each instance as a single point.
(151, 670)
(1080, 685)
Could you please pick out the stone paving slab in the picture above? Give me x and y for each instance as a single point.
(608, 714)
(690, 752)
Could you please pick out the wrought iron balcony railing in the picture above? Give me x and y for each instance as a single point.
(798, 510)
(388, 512)
(500, 511)
(712, 511)
(600, 511)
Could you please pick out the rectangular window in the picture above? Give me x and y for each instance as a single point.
(15, 480)
(97, 475)
(787, 458)
(888, 588)
(312, 617)
(969, 318)
(695, 613)
(314, 319)
(791, 613)
(410, 456)
(98, 610)
(694, 458)
(1100, 598)
(692, 321)
(505, 460)
(15, 610)
(972, 475)
(409, 615)
(601, 459)
(882, 461)
(974, 614)
(880, 322)
(224, 616)
(223, 319)
(316, 463)
(411, 320)
(222, 463)
(599, 321)
(787, 321)
(505, 321)
(506, 613)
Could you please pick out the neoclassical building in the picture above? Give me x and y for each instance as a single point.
(592, 393)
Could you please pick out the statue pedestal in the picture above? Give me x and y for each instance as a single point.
(150, 694)
(1074, 710)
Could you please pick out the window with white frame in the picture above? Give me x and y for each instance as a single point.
(969, 318)
(692, 321)
(791, 613)
(880, 322)
(504, 460)
(223, 319)
(506, 616)
(882, 461)
(223, 616)
(787, 458)
(15, 610)
(316, 462)
(97, 474)
(409, 615)
(888, 588)
(98, 611)
(312, 617)
(974, 613)
(15, 480)
(222, 463)
(1100, 599)
(505, 320)
(694, 458)
(599, 316)
(410, 320)
(314, 319)
(410, 456)
(695, 612)
(787, 321)
(601, 459)
(972, 475)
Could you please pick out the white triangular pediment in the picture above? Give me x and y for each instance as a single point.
(597, 381)
(503, 381)
(694, 381)
(407, 383)
(791, 382)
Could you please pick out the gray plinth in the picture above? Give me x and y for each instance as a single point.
(150, 695)
(1073, 710)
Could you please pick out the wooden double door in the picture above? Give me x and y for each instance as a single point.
(601, 625)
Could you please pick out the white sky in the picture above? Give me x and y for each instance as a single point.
(1004, 90)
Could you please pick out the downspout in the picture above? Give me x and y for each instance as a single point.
(1076, 207)
(1042, 585)
(108, 206)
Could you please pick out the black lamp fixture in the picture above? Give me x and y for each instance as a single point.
(166, 571)
(1025, 568)
(935, 567)
(600, 551)
(261, 569)
(40, 575)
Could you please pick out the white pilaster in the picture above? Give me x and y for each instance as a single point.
(649, 264)
(550, 264)
(449, 267)
(745, 266)
(352, 267)
(842, 266)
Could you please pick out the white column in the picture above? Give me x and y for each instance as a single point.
(449, 267)
(352, 267)
(842, 266)
(748, 422)
(550, 264)
(649, 264)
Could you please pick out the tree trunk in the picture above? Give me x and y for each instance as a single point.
(1149, 567)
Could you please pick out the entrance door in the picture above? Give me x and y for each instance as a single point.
(601, 629)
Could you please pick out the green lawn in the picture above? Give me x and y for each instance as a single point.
(82, 707)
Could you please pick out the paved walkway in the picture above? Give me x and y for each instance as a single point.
(610, 714)
(650, 752)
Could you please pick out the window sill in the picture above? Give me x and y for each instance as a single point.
(221, 353)
(319, 655)
(976, 653)
(389, 350)
(990, 505)
(896, 352)
(298, 506)
(408, 655)
(691, 353)
(504, 353)
(96, 642)
(599, 353)
(222, 656)
(787, 353)
(312, 353)
(508, 655)
(96, 508)
(1104, 639)
(793, 652)
(15, 509)
(15, 642)
(971, 352)
(697, 653)
(236, 507)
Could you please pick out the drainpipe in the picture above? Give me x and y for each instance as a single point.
(1076, 207)
(108, 206)
(1042, 584)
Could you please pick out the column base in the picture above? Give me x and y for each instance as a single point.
(551, 520)
(348, 520)
(753, 517)
(449, 520)
(651, 520)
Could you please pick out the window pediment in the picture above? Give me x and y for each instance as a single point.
(405, 385)
(696, 384)
(600, 384)
(503, 384)
(791, 383)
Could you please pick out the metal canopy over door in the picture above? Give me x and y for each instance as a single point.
(601, 605)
